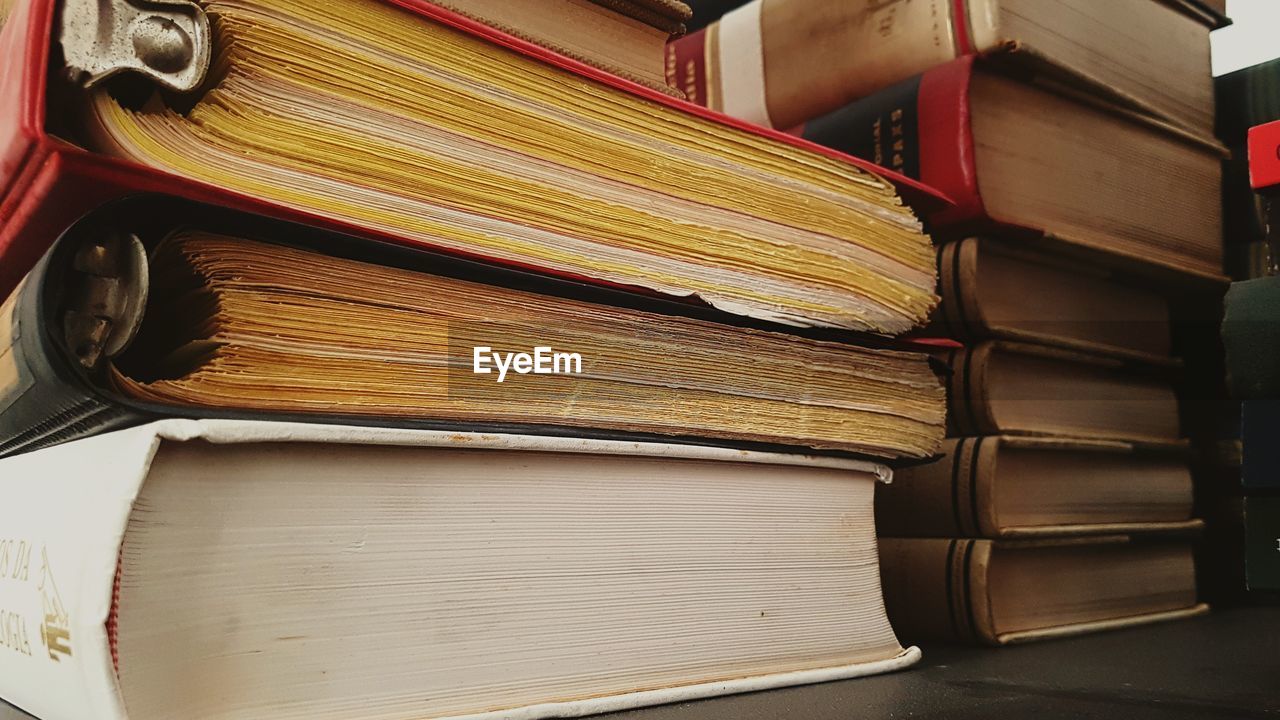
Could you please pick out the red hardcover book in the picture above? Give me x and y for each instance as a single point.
(1264, 156)
(1039, 160)
(46, 183)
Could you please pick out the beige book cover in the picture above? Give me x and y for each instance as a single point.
(256, 570)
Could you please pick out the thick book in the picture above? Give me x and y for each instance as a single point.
(402, 121)
(225, 314)
(1007, 388)
(998, 592)
(1033, 158)
(1251, 337)
(1000, 290)
(780, 63)
(262, 570)
(1016, 487)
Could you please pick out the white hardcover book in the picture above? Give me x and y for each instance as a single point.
(227, 569)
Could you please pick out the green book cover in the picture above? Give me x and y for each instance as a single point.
(1262, 542)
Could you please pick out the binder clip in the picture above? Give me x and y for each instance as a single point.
(166, 40)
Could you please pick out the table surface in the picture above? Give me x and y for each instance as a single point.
(1222, 665)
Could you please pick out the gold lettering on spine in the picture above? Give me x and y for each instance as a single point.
(899, 143)
(669, 67)
(15, 560)
(13, 633)
(939, 32)
(15, 567)
(55, 631)
(877, 152)
(54, 620)
(885, 17)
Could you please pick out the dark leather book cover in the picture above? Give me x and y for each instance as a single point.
(1251, 338)
(920, 128)
(43, 399)
(1262, 542)
(1245, 98)
(1260, 443)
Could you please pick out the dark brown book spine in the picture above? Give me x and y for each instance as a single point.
(967, 412)
(945, 498)
(935, 588)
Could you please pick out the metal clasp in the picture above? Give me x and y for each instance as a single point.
(106, 297)
(168, 41)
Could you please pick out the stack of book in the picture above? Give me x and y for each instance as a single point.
(1075, 138)
(374, 359)
(1251, 336)
(1246, 98)
(1243, 517)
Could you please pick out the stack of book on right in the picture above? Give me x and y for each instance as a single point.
(1076, 138)
(1063, 502)
(1251, 339)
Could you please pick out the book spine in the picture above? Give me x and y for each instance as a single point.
(1262, 543)
(967, 411)
(919, 128)
(41, 401)
(958, 314)
(61, 526)
(1246, 98)
(1251, 337)
(935, 588)
(1259, 449)
(686, 67)
(938, 499)
(758, 61)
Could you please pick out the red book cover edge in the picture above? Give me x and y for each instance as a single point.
(48, 184)
(1264, 157)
